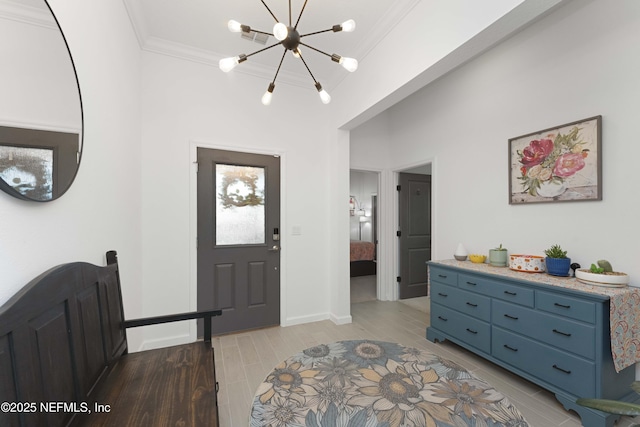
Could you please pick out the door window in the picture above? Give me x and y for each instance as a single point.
(240, 205)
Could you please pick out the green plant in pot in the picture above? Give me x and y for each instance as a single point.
(614, 406)
(557, 262)
(498, 257)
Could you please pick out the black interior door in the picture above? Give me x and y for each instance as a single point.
(415, 233)
(239, 239)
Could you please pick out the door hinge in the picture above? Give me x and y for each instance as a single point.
(196, 243)
(197, 166)
(399, 233)
(399, 187)
(398, 279)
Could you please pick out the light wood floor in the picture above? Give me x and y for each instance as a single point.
(243, 360)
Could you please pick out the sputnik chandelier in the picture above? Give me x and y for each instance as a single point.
(289, 37)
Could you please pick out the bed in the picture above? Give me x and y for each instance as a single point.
(363, 258)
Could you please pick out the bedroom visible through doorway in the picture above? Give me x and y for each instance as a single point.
(363, 235)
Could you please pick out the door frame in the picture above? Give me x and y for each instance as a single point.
(391, 179)
(194, 144)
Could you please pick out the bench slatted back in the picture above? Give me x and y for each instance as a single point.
(58, 336)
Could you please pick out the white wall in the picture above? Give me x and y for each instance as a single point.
(101, 210)
(574, 64)
(187, 104)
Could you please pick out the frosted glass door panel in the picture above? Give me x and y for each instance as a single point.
(239, 205)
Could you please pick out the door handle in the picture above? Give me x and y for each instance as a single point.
(274, 248)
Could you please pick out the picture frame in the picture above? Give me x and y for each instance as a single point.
(558, 164)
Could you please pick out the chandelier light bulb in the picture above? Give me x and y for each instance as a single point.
(228, 64)
(296, 52)
(324, 95)
(349, 64)
(268, 95)
(348, 26)
(234, 26)
(280, 31)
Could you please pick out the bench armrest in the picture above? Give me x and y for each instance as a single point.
(206, 315)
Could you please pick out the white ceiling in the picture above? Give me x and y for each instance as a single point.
(197, 30)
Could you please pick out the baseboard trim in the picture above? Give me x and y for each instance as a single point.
(305, 319)
(340, 320)
(165, 342)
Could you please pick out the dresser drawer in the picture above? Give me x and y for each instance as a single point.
(563, 370)
(566, 334)
(567, 306)
(466, 302)
(437, 274)
(464, 328)
(497, 289)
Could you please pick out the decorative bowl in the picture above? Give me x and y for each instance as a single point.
(527, 263)
(460, 257)
(477, 258)
(614, 280)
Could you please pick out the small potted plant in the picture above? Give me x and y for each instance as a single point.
(602, 274)
(557, 262)
(498, 257)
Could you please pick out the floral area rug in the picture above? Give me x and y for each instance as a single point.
(377, 384)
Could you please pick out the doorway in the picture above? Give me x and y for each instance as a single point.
(238, 233)
(363, 235)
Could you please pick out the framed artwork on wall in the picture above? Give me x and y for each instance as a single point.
(559, 164)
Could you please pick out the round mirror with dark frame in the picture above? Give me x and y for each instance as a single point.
(41, 119)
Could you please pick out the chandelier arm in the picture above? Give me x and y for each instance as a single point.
(316, 32)
(265, 5)
(300, 16)
(310, 73)
(290, 20)
(317, 50)
(279, 65)
(261, 32)
(263, 49)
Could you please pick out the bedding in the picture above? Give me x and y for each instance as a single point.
(362, 251)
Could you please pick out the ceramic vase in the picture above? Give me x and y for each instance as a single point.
(461, 253)
(498, 258)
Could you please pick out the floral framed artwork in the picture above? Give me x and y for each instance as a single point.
(559, 164)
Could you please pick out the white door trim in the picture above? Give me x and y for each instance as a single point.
(194, 144)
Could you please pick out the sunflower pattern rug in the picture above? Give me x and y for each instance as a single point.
(377, 384)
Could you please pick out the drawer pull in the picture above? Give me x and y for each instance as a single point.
(562, 333)
(472, 331)
(442, 318)
(561, 305)
(508, 316)
(442, 276)
(511, 293)
(510, 348)
(443, 295)
(472, 284)
(560, 369)
(472, 304)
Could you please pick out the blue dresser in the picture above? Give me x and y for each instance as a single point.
(555, 337)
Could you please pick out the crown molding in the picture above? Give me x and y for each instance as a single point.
(136, 16)
(19, 12)
(396, 13)
(202, 56)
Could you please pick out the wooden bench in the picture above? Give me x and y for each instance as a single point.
(64, 360)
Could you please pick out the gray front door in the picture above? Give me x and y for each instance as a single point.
(415, 233)
(239, 239)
